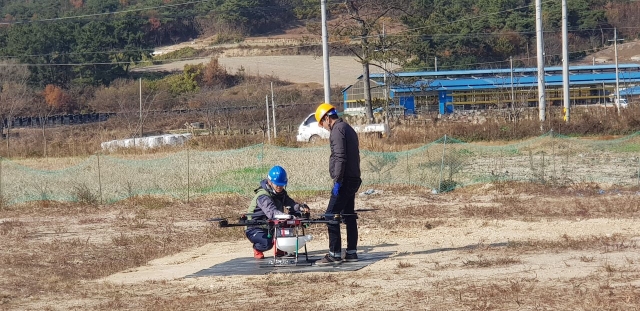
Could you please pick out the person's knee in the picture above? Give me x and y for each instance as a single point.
(333, 227)
(264, 246)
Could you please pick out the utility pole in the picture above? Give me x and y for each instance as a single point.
(435, 63)
(268, 121)
(615, 47)
(273, 114)
(384, 78)
(513, 97)
(140, 107)
(325, 53)
(565, 63)
(542, 104)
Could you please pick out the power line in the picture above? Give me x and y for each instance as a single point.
(248, 9)
(277, 49)
(271, 49)
(101, 14)
(501, 61)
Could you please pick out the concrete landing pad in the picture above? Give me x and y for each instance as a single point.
(251, 266)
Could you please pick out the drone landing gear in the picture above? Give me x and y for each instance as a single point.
(289, 236)
(286, 262)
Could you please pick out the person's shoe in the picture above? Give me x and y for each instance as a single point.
(258, 254)
(351, 257)
(329, 260)
(280, 253)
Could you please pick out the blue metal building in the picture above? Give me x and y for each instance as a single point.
(446, 91)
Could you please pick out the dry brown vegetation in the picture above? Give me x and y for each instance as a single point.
(501, 246)
(495, 246)
(237, 129)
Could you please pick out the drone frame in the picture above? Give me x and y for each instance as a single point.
(298, 225)
(287, 221)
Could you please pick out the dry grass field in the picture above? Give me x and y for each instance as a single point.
(502, 246)
(491, 246)
(344, 70)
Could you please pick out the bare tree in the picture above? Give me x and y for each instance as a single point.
(211, 100)
(44, 111)
(364, 23)
(14, 94)
(123, 97)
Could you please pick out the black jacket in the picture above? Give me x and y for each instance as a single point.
(344, 162)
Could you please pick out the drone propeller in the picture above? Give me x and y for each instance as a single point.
(218, 219)
(322, 215)
(306, 218)
(351, 214)
(366, 210)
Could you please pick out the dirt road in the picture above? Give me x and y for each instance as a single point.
(344, 70)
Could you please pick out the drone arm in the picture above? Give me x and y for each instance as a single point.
(224, 223)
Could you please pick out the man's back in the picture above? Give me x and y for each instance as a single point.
(345, 152)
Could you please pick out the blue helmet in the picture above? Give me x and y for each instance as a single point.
(278, 176)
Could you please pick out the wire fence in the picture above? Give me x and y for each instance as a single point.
(441, 165)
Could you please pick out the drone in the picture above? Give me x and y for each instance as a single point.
(289, 231)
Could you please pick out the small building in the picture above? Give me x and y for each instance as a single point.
(447, 91)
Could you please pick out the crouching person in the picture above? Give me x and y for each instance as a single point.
(271, 199)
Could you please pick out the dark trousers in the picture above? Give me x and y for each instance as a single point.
(260, 238)
(344, 204)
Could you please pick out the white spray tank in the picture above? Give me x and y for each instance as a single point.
(290, 244)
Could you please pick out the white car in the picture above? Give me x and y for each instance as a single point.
(310, 131)
(622, 102)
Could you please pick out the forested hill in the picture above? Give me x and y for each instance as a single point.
(93, 42)
(111, 35)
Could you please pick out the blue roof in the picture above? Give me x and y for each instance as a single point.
(505, 72)
(518, 82)
(630, 91)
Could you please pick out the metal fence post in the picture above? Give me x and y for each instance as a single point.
(554, 178)
(444, 146)
(188, 175)
(99, 178)
(408, 168)
(1, 197)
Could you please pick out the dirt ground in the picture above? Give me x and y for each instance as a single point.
(252, 56)
(486, 247)
(263, 56)
(628, 52)
(344, 70)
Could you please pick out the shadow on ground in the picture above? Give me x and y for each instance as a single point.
(448, 249)
(251, 266)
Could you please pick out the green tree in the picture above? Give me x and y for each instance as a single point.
(186, 82)
(93, 41)
(108, 48)
(255, 16)
(46, 48)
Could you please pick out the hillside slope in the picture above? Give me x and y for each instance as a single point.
(264, 56)
(628, 53)
(274, 55)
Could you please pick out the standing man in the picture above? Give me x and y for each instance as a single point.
(344, 169)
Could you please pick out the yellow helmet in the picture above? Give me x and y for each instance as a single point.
(322, 110)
